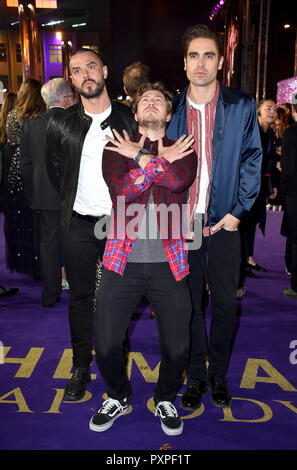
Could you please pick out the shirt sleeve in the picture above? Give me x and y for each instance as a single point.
(120, 179)
(52, 153)
(176, 176)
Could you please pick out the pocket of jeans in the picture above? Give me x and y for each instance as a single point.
(229, 231)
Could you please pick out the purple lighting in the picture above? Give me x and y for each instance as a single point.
(216, 9)
(285, 88)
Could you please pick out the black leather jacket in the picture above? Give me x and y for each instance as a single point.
(64, 142)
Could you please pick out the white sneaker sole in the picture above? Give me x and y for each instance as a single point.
(172, 432)
(104, 427)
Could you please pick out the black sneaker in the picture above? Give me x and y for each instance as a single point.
(171, 423)
(111, 410)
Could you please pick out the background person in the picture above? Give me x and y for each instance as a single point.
(289, 191)
(7, 106)
(21, 223)
(134, 75)
(268, 188)
(40, 194)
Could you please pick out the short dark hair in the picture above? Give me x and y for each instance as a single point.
(83, 50)
(202, 31)
(134, 76)
(159, 86)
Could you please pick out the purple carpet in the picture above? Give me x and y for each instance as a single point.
(262, 373)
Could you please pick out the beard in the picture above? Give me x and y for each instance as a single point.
(92, 92)
(153, 124)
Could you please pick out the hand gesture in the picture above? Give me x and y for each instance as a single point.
(180, 149)
(124, 145)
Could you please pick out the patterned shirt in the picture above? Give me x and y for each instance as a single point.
(14, 132)
(169, 183)
(194, 128)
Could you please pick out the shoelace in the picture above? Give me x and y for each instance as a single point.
(109, 404)
(168, 408)
(78, 374)
(194, 384)
(220, 382)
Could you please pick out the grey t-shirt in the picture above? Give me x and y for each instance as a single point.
(148, 246)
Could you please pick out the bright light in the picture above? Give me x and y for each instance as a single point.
(78, 24)
(52, 23)
(59, 36)
(286, 26)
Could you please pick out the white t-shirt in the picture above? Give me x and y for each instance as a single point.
(92, 197)
(204, 180)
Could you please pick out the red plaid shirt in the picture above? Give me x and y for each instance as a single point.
(169, 187)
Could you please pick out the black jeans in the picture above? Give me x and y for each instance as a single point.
(117, 299)
(81, 251)
(218, 263)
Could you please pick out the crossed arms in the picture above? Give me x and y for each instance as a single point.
(174, 168)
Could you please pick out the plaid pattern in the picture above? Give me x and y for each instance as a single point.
(168, 182)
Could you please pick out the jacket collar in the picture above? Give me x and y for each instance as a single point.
(226, 95)
(147, 141)
(82, 113)
(106, 123)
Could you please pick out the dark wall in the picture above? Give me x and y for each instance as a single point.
(151, 31)
(281, 45)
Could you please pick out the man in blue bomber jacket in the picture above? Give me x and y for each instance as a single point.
(223, 122)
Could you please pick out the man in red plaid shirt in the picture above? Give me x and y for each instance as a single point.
(145, 255)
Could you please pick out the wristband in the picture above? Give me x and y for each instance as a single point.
(140, 154)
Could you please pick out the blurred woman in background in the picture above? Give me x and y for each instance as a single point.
(7, 106)
(21, 224)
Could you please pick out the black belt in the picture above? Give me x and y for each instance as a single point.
(89, 218)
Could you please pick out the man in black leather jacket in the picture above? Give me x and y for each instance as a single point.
(74, 146)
